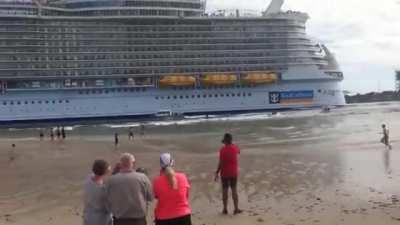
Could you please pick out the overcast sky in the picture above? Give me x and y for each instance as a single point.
(363, 34)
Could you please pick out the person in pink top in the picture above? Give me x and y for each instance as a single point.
(171, 189)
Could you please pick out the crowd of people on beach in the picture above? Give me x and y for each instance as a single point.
(122, 195)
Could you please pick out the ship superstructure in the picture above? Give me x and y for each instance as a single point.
(71, 59)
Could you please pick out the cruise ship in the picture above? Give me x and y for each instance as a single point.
(84, 59)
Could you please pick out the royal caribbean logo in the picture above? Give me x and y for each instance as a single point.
(274, 97)
(291, 97)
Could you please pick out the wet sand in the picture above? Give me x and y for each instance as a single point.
(296, 168)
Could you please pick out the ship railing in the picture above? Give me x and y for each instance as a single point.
(81, 88)
(173, 67)
(311, 49)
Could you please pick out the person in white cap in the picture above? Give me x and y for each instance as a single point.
(171, 189)
(128, 193)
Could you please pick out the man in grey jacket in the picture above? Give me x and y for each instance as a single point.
(128, 194)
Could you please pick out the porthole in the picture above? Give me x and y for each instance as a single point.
(4, 103)
(67, 101)
(54, 102)
(156, 98)
(26, 102)
(18, 103)
(60, 101)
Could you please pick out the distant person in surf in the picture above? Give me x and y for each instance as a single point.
(116, 139)
(58, 132)
(228, 169)
(41, 134)
(63, 134)
(51, 134)
(142, 129)
(130, 134)
(385, 138)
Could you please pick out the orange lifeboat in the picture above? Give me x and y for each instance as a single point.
(177, 81)
(218, 79)
(260, 78)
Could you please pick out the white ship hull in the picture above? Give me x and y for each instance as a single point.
(130, 102)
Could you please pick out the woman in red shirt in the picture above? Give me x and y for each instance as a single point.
(171, 189)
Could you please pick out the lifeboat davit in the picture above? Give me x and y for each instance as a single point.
(260, 78)
(177, 81)
(218, 79)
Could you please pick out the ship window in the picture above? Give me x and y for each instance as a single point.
(18, 103)
(26, 102)
(204, 96)
(47, 102)
(87, 92)
(222, 95)
(249, 94)
(106, 92)
(33, 102)
(210, 96)
(60, 101)
(157, 97)
(233, 95)
(40, 102)
(168, 97)
(198, 96)
(11, 103)
(67, 101)
(143, 89)
(216, 95)
(193, 96)
(175, 97)
(187, 96)
(238, 94)
(94, 91)
(4, 103)
(181, 97)
(162, 97)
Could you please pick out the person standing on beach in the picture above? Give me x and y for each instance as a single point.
(51, 134)
(63, 134)
(116, 139)
(142, 128)
(41, 135)
(128, 194)
(12, 154)
(385, 138)
(228, 169)
(58, 133)
(95, 211)
(130, 135)
(171, 189)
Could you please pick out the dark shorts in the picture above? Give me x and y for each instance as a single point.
(127, 221)
(229, 182)
(184, 220)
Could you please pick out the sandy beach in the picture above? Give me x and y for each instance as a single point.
(297, 168)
